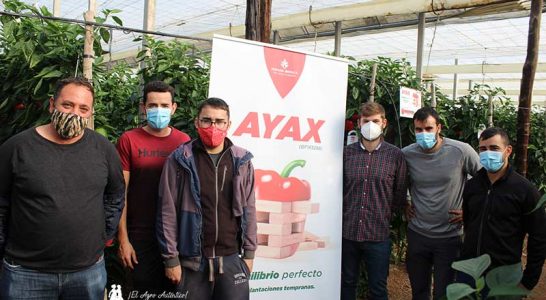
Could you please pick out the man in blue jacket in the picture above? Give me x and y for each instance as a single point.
(500, 208)
(206, 223)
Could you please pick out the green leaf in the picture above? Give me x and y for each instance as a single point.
(507, 291)
(44, 71)
(38, 85)
(9, 28)
(4, 103)
(53, 74)
(457, 291)
(539, 204)
(34, 60)
(480, 284)
(117, 20)
(355, 92)
(509, 275)
(474, 266)
(162, 67)
(105, 35)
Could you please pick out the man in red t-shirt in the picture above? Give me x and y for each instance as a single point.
(143, 152)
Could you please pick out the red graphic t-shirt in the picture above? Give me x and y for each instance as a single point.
(143, 155)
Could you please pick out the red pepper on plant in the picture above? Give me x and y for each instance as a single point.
(271, 185)
(354, 117)
(349, 125)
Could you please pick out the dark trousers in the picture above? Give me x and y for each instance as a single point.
(376, 256)
(427, 254)
(149, 274)
(232, 284)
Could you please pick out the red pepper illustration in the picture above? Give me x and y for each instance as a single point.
(271, 185)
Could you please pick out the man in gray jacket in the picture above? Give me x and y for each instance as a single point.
(438, 169)
(206, 223)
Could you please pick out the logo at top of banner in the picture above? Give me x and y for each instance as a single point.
(284, 67)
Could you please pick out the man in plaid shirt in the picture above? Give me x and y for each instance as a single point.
(374, 186)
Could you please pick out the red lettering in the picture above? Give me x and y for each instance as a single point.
(313, 130)
(249, 125)
(290, 129)
(271, 125)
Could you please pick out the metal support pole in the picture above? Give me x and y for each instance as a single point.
(149, 22)
(470, 85)
(88, 53)
(276, 37)
(56, 8)
(372, 83)
(337, 44)
(490, 111)
(455, 80)
(433, 95)
(420, 45)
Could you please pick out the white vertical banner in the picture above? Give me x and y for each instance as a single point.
(288, 109)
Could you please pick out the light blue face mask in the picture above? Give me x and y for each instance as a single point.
(426, 140)
(492, 161)
(158, 117)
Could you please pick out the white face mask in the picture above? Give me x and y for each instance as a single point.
(371, 131)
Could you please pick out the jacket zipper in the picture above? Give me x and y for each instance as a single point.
(223, 179)
(480, 233)
(216, 206)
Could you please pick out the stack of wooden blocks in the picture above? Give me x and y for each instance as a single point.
(281, 228)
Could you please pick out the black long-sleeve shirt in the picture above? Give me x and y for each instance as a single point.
(58, 203)
(498, 216)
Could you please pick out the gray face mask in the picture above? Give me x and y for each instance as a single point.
(68, 125)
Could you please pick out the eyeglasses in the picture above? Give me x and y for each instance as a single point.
(207, 122)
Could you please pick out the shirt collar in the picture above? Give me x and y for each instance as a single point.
(376, 148)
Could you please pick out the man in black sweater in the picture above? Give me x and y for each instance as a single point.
(500, 208)
(61, 196)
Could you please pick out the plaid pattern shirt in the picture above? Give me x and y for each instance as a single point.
(374, 185)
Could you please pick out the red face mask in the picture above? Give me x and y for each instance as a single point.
(212, 137)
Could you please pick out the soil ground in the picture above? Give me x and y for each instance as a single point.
(400, 289)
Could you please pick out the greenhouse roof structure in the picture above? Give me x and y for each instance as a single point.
(487, 39)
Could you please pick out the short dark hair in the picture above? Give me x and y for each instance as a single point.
(424, 112)
(157, 86)
(79, 81)
(214, 103)
(492, 131)
(372, 108)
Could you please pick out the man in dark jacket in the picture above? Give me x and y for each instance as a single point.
(500, 208)
(206, 223)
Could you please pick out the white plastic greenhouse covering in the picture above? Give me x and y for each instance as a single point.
(480, 43)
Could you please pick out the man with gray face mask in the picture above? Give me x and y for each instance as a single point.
(61, 196)
(374, 186)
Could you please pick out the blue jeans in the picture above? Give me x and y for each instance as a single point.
(17, 282)
(376, 257)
